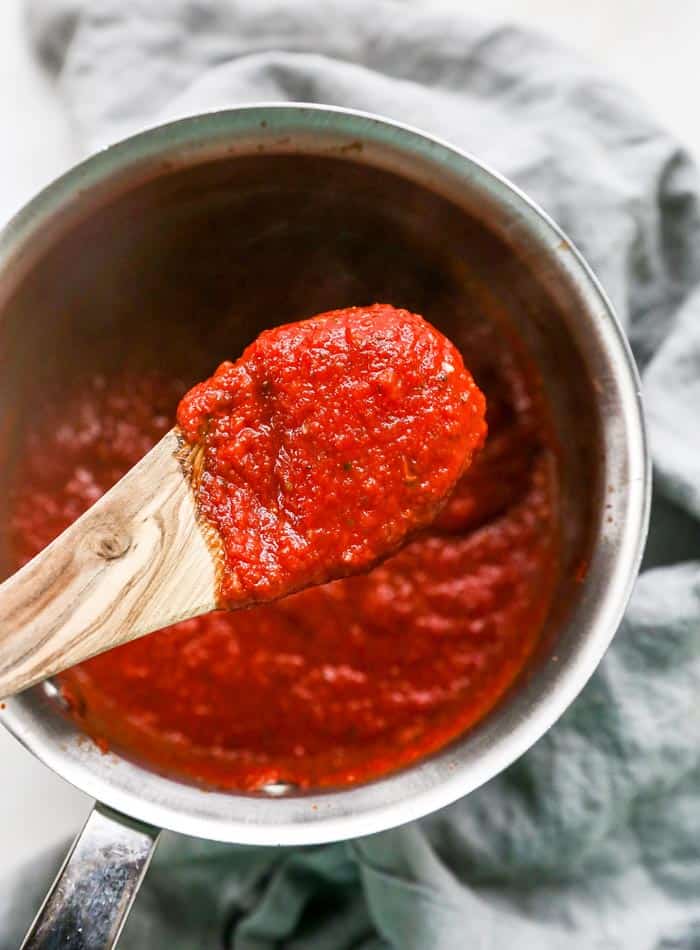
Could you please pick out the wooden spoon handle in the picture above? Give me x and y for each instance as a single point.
(135, 562)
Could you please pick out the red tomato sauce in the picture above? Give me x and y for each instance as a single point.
(328, 443)
(334, 684)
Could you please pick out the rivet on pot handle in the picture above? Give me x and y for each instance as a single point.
(88, 903)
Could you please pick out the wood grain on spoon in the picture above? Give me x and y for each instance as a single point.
(135, 562)
(319, 452)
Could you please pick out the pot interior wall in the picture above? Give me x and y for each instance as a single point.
(184, 270)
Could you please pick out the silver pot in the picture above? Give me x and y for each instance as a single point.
(144, 230)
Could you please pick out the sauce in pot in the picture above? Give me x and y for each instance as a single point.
(334, 684)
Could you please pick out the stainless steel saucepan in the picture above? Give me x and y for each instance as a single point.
(147, 239)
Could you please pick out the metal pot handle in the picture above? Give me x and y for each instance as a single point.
(92, 895)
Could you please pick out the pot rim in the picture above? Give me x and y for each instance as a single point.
(463, 766)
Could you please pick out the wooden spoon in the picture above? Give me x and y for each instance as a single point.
(280, 506)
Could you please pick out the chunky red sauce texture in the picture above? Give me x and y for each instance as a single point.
(328, 443)
(334, 684)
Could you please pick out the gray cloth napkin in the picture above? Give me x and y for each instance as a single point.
(593, 838)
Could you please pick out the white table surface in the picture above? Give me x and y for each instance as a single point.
(649, 44)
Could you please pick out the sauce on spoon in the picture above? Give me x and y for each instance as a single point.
(328, 444)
